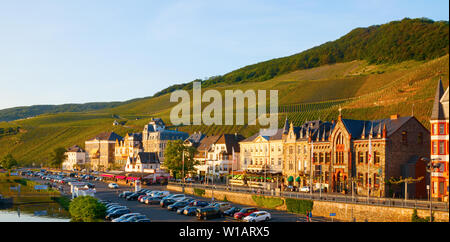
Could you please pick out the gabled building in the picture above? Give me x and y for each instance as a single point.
(155, 137)
(75, 156)
(101, 150)
(130, 145)
(194, 139)
(358, 154)
(215, 154)
(439, 143)
(143, 162)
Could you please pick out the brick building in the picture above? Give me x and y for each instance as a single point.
(353, 153)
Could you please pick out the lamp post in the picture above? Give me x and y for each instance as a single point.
(430, 168)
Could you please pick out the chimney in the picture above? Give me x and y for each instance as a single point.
(394, 116)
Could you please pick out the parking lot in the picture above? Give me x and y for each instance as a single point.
(158, 214)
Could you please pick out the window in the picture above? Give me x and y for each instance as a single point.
(434, 150)
(441, 147)
(420, 138)
(279, 161)
(320, 157)
(434, 131)
(327, 157)
(404, 137)
(360, 157)
(441, 128)
(376, 157)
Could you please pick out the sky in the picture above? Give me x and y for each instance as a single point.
(56, 52)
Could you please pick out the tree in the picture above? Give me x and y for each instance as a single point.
(58, 156)
(407, 181)
(174, 158)
(87, 209)
(8, 162)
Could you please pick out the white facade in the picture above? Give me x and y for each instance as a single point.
(73, 159)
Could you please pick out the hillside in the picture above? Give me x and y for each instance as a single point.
(393, 42)
(371, 83)
(365, 91)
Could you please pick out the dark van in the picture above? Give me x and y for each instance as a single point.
(209, 212)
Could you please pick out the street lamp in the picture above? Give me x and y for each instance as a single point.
(430, 168)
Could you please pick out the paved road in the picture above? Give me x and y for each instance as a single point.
(158, 214)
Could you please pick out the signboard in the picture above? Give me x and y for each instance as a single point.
(40, 187)
(332, 214)
(137, 185)
(13, 174)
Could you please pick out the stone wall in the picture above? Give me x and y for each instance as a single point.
(343, 211)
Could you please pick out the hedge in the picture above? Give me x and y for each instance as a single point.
(298, 206)
(267, 202)
(199, 192)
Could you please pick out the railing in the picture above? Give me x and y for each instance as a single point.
(378, 201)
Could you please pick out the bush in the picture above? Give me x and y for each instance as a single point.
(416, 218)
(87, 209)
(267, 202)
(298, 206)
(199, 192)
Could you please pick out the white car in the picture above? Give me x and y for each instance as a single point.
(113, 185)
(259, 216)
(304, 189)
(161, 194)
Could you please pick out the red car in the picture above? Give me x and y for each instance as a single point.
(244, 212)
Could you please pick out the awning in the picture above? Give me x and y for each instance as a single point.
(133, 178)
(107, 175)
(121, 177)
(290, 179)
(297, 179)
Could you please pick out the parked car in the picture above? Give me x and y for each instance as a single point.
(135, 218)
(145, 220)
(113, 185)
(132, 196)
(117, 213)
(208, 212)
(200, 203)
(245, 212)
(231, 211)
(125, 194)
(124, 217)
(153, 200)
(304, 189)
(161, 194)
(223, 206)
(177, 205)
(190, 211)
(167, 202)
(177, 197)
(181, 210)
(260, 216)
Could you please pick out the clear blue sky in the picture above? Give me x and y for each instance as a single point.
(55, 52)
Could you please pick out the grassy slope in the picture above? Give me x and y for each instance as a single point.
(381, 90)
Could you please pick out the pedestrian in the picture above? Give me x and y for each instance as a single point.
(310, 216)
(307, 216)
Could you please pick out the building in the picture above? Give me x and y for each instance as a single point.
(101, 150)
(75, 158)
(262, 154)
(215, 155)
(130, 145)
(201, 157)
(358, 154)
(143, 162)
(155, 137)
(194, 139)
(439, 144)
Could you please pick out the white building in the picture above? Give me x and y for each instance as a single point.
(144, 162)
(74, 156)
